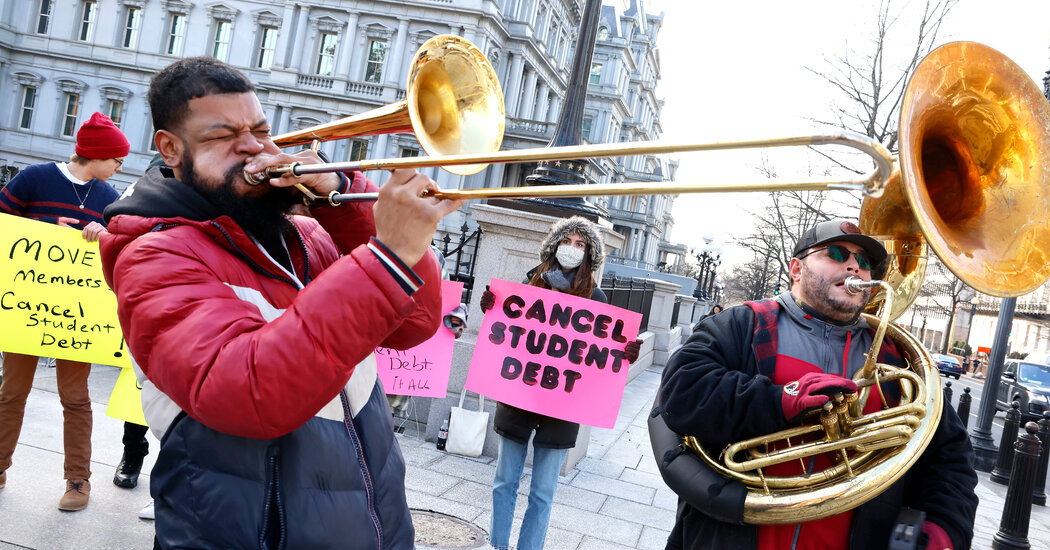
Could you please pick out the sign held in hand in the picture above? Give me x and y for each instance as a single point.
(54, 301)
(553, 353)
(422, 370)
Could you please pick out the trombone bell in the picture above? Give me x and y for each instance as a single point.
(453, 104)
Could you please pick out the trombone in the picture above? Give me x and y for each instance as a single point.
(454, 106)
(871, 184)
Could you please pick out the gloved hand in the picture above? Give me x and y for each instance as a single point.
(630, 353)
(811, 392)
(488, 300)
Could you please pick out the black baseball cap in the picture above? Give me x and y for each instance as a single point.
(840, 230)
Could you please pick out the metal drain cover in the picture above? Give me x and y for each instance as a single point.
(436, 530)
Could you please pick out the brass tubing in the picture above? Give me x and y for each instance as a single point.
(613, 189)
(872, 183)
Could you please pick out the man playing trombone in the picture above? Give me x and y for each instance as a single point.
(253, 331)
(761, 368)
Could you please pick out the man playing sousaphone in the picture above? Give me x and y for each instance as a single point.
(759, 368)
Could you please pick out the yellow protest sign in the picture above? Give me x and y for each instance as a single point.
(125, 403)
(54, 301)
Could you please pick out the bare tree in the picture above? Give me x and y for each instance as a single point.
(872, 88)
(751, 281)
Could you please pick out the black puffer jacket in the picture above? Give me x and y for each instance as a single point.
(712, 386)
(552, 433)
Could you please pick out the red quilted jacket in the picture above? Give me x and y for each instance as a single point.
(236, 341)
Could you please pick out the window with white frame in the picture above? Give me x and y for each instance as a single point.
(596, 73)
(358, 150)
(87, 21)
(603, 33)
(221, 48)
(115, 111)
(43, 18)
(267, 47)
(326, 53)
(176, 34)
(25, 119)
(69, 119)
(132, 24)
(376, 57)
(586, 131)
(409, 152)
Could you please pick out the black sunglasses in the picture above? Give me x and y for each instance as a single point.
(840, 254)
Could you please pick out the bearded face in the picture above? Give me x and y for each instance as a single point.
(263, 214)
(824, 292)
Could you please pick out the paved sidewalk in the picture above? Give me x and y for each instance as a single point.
(614, 499)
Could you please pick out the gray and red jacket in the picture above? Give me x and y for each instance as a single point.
(719, 387)
(276, 431)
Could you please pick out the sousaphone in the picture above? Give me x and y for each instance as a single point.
(972, 185)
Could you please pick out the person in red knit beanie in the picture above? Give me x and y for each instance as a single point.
(72, 194)
(100, 139)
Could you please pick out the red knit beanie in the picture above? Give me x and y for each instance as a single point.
(99, 138)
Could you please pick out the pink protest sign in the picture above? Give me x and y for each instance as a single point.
(424, 369)
(554, 354)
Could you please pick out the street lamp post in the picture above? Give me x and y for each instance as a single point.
(717, 261)
(973, 312)
(981, 435)
(707, 261)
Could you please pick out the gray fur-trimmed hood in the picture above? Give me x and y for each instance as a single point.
(582, 226)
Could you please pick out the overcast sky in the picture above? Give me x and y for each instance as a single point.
(737, 70)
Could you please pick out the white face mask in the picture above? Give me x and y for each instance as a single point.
(569, 257)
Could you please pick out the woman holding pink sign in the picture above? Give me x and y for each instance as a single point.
(570, 256)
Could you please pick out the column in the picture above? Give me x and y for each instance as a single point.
(510, 93)
(494, 177)
(10, 88)
(346, 49)
(469, 34)
(542, 98)
(146, 123)
(285, 123)
(281, 53)
(555, 109)
(529, 97)
(396, 60)
(310, 45)
(299, 38)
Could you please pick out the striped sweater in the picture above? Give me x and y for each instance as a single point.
(43, 192)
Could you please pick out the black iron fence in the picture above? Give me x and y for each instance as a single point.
(630, 293)
(465, 255)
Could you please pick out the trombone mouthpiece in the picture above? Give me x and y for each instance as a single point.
(855, 285)
(264, 176)
(257, 178)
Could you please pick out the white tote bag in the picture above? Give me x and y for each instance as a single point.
(467, 428)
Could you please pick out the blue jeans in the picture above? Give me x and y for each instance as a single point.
(546, 463)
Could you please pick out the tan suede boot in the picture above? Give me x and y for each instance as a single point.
(76, 497)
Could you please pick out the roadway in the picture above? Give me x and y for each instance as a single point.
(976, 387)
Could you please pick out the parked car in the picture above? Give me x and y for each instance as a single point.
(948, 365)
(1026, 381)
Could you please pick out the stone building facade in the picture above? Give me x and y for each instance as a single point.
(316, 60)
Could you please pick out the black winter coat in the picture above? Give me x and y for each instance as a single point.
(552, 433)
(711, 387)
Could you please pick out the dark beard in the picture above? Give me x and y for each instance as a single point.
(263, 217)
(822, 301)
